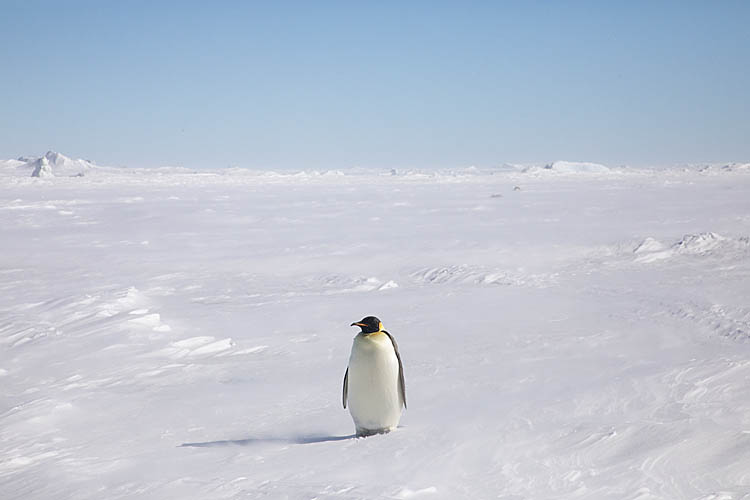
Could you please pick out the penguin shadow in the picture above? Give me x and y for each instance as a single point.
(266, 440)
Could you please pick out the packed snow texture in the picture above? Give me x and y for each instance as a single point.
(566, 332)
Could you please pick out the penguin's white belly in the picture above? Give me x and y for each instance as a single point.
(373, 396)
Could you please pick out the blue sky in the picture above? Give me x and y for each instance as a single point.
(378, 84)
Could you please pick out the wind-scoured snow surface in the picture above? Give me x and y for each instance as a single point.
(566, 332)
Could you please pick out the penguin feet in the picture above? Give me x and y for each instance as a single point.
(372, 432)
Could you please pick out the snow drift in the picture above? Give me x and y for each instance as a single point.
(701, 244)
(54, 164)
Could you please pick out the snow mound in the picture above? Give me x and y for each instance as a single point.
(737, 167)
(336, 284)
(573, 167)
(55, 164)
(475, 275)
(701, 244)
(727, 167)
(7, 164)
(649, 245)
(568, 168)
(42, 169)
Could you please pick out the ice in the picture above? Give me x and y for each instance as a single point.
(42, 168)
(566, 332)
(54, 164)
(567, 168)
(707, 244)
(571, 167)
(649, 245)
(408, 493)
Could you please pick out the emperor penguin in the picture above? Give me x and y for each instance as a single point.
(374, 384)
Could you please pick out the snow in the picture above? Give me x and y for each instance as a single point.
(570, 167)
(703, 244)
(42, 168)
(175, 333)
(567, 168)
(49, 165)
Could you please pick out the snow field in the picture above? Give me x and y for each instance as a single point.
(184, 335)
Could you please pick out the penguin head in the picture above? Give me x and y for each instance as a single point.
(370, 324)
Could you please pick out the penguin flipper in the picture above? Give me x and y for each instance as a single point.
(346, 387)
(401, 382)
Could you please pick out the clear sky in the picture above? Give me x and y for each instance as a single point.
(274, 84)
